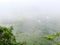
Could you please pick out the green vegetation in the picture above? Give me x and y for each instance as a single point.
(7, 38)
(53, 38)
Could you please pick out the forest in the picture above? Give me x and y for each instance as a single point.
(29, 22)
(8, 38)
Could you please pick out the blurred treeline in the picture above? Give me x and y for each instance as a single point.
(8, 38)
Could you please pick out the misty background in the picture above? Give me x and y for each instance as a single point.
(30, 18)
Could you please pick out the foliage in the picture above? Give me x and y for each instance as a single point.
(53, 38)
(6, 36)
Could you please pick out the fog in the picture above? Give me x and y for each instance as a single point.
(17, 9)
(30, 17)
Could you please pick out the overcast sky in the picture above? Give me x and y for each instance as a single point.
(17, 9)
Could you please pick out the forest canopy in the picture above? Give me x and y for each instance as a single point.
(7, 38)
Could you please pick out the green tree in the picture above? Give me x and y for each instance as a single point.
(53, 38)
(6, 36)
